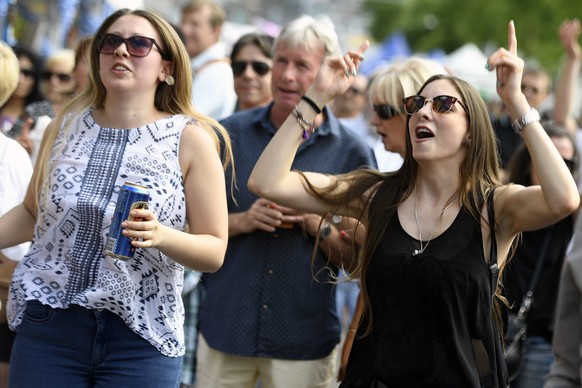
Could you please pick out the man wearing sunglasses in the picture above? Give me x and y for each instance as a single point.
(251, 64)
(212, 86)
(269, 313)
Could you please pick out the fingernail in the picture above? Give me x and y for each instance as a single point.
(347, 73)
(362, 57)
(486, 65)
(354, 72)
(498, 83)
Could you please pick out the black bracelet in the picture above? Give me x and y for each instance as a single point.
(311, 104)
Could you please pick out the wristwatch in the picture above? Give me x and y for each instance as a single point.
(526, 119)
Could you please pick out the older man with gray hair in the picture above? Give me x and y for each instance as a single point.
(269, 313)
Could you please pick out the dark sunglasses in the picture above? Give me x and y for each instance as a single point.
(440, 104)
(239, 67)
(27, 72)
(384, 111)
(137, 46)
(62, 77)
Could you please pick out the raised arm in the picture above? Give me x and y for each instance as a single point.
(521, 208)
(568, 80)
(271, 177)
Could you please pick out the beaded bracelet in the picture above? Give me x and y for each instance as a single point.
(303, 123)
(312, 104)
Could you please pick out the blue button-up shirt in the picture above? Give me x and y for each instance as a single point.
(270, 299)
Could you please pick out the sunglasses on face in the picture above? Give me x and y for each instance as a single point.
(62, 77)
(440, 104)
(137, 46)
(27, 72)
(384, 111)
(239, 67)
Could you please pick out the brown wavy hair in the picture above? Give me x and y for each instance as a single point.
(479, 174)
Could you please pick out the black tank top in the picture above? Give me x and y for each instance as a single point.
(432, 314)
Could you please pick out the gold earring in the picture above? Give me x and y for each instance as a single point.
(170, 80)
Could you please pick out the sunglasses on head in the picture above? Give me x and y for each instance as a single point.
(137, 46)
(440, 104)
(384, 111)
(239, 67)
(27, 72)
(62, 77)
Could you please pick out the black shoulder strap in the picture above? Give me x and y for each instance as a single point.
(493, 266)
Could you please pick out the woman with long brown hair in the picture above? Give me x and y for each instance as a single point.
(430, 255)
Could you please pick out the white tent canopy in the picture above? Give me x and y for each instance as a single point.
(468, 63)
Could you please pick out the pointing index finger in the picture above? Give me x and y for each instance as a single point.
(363, 47)
(511, 38)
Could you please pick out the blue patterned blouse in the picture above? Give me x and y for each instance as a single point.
(66, 264)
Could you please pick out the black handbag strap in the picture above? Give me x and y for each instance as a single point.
(493, 266)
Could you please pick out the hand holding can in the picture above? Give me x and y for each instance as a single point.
(131, 196)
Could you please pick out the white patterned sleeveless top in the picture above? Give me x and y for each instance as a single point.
(66, 264)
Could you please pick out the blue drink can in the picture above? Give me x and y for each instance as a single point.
(131, 196)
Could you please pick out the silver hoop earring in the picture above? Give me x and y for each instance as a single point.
(170, 80)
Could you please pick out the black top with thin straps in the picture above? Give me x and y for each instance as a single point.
(432, 313)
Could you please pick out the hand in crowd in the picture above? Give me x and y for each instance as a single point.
(266, 215)
(569, 34)
(24, 137)
(337, 74)
(509, 69)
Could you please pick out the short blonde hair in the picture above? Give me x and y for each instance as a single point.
(9, 72)
(391, 84)
(65, 57)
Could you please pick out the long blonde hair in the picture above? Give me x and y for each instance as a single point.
(174, 99)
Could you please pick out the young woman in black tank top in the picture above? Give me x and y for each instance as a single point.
(430, 318)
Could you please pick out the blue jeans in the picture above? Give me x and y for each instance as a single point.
(538, 360)
(81, 348)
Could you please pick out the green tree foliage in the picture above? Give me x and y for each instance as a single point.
(448, 24)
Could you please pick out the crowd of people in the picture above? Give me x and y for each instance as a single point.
(306, 223)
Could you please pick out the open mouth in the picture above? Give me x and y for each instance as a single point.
(423, 133)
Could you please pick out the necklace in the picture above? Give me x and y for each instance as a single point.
(424, 246)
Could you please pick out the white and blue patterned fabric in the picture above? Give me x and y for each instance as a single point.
(66, 264)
